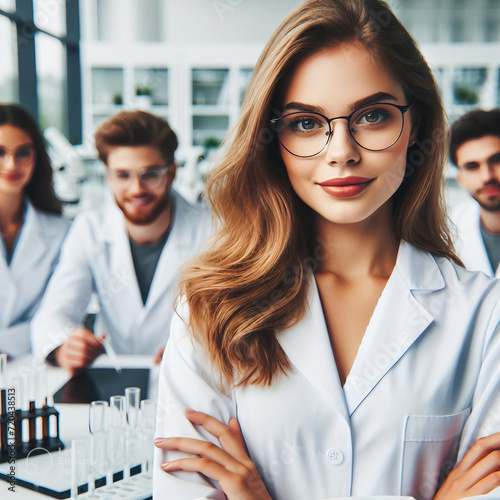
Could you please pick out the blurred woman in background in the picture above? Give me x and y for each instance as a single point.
(31, 225)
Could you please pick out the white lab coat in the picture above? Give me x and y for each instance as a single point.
(23, 282)
(426, 380)
(96, 257)
(470, 244)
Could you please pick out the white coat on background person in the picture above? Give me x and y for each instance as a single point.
(425, 383)
(470, 244)
(96, 257)
(23, 281)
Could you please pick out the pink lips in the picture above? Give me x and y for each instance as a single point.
(13, 177)
(345, 187)
(490, 190)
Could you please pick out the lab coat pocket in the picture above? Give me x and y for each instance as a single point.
(429, 451)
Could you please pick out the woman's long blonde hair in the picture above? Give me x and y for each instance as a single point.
(252, 281)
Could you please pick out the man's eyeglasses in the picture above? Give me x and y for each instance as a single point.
(23, 155)
(375, 128)
(149, 178)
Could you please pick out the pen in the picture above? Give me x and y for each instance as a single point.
(113, 358)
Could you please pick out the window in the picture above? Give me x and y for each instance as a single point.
(8, 56)
(40, 54)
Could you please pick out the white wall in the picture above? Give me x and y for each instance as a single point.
(200, 21)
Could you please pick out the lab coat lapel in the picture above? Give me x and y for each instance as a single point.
(308, 347)
(397, 322)
(175, 252)
(472, 249)
(8, 294)
(30, 249)
(117, 266)
(32, 244)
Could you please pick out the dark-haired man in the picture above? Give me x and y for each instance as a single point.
(475, 150)
(127, 253)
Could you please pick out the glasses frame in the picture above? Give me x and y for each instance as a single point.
(111, 174)
(273, 123)
(15, 152)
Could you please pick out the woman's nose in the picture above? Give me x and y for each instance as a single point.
(8, 161)
(341, 149)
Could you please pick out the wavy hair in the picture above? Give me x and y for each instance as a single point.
(251, 283)
(40, 188)
(135, 128)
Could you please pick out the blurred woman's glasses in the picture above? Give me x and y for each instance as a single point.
(375, 128)
(23, 156)
(149, 178)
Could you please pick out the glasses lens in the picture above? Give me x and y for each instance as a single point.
(150, 178)
(22, 156)
(376, 127)
(303, 134)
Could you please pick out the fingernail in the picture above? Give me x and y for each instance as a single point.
(158, 441)
(190, 411)
(165, 466)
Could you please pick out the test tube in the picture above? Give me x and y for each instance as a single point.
(99, 427)
(79, 465)
(147, 426)
(42, 395)
(118, 430)
(133, 402)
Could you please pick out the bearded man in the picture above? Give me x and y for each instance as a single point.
(126, 253)
(475, 150)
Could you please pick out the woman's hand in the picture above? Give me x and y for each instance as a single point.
(478, 472)
(230, 466)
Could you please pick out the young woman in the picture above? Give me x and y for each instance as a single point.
(31, 225)
(329, 338)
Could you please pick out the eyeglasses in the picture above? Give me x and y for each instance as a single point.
(149, 178)
(374, 128)
(23, 155)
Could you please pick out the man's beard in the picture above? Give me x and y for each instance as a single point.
(153, 212)
(490, 206)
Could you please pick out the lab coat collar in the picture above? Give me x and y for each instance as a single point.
(117, 256)
(33, 240)
(177, 249)
(471, 247)
(418, 268)
(398, 320)
(178, 245)
(308, 347)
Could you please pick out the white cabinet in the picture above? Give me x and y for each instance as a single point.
(198, 89)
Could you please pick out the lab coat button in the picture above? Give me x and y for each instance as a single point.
(335, 456)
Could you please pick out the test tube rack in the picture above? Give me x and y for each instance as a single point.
(15, 445)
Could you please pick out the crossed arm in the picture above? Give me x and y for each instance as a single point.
(477, 474)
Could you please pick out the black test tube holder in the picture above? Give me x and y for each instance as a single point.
(13, 443)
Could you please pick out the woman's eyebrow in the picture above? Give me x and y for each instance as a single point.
(372, 99)
(365, 101)
(299, 106)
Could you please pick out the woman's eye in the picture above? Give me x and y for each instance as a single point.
(305, 124)
(23, 154)
(372, 116)
(123, 175)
